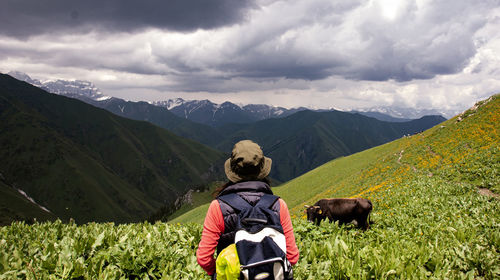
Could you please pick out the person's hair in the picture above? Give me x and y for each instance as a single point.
(218, 190)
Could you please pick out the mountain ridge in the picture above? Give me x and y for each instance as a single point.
(86, 163)
(232, 123)
(297, 143)
(63, 87)
(216, 115)
(225, 135)
(462, 150)
(209, 113)
(307, 139)
(246, 113)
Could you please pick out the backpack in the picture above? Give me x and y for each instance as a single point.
(259, 239)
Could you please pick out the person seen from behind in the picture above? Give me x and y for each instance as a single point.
(247, 170)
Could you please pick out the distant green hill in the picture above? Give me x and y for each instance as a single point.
(462, 150)
(436, 216)
(307, 139)
(298, 143)
(159, 116)
(86, 163)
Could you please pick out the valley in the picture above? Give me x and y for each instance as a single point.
(375, 124)
(430, 220)
(87, 164)
(84, 163)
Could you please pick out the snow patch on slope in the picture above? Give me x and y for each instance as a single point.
(23, 193)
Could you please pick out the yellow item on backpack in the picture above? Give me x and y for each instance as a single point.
(227, 265)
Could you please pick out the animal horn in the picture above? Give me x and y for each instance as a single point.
(317, 207)
(307, 206)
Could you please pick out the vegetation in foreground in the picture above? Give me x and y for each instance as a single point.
(432, 229)
(430, 220)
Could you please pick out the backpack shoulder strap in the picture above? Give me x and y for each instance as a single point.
(267, 201)
(235, 201)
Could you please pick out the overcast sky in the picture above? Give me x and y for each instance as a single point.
(343, 54)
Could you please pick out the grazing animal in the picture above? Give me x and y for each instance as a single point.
(344, 210)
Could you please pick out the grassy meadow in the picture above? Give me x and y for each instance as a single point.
(433, 218)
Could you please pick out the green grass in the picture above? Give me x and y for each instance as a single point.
(463, 152)
(198, 198)
(330, 179)
(99, 251)
(428, 228)
(459, 151)
(303, 189)
(430, 220)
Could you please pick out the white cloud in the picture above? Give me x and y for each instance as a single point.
(343, 54)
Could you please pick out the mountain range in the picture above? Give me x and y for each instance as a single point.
(63, 87)
(401, 113)
(303, 141)
(327, 134)
(207, 112)
(72, 157)
(82, 162)
(297, 141)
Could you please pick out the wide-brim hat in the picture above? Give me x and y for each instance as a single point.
(247, 162)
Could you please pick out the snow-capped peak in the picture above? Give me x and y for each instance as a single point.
(63, 87)
(170, 103)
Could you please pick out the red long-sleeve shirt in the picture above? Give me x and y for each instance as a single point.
(213, 227)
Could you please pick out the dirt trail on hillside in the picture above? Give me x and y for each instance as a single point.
(399, 161)
(487, 192)
(431, 151)
(400, 156)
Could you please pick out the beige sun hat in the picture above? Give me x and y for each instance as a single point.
(247, 162)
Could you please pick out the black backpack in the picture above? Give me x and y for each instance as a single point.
(259, 239)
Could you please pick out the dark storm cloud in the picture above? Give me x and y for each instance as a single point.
(275, 65)
(282, 44)
(22, 18)
(422, 42)
(363, 42)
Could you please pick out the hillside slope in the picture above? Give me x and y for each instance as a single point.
(432, 216)
(307, 139)
(83, 162)
(297, 143)
(431, 222)
(15, 207)
(313, 137)
(159, 116)
(462, 149)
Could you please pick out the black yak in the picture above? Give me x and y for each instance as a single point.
(344, 210)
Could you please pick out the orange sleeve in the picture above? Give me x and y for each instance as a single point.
(292, 252)
(213, 227)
